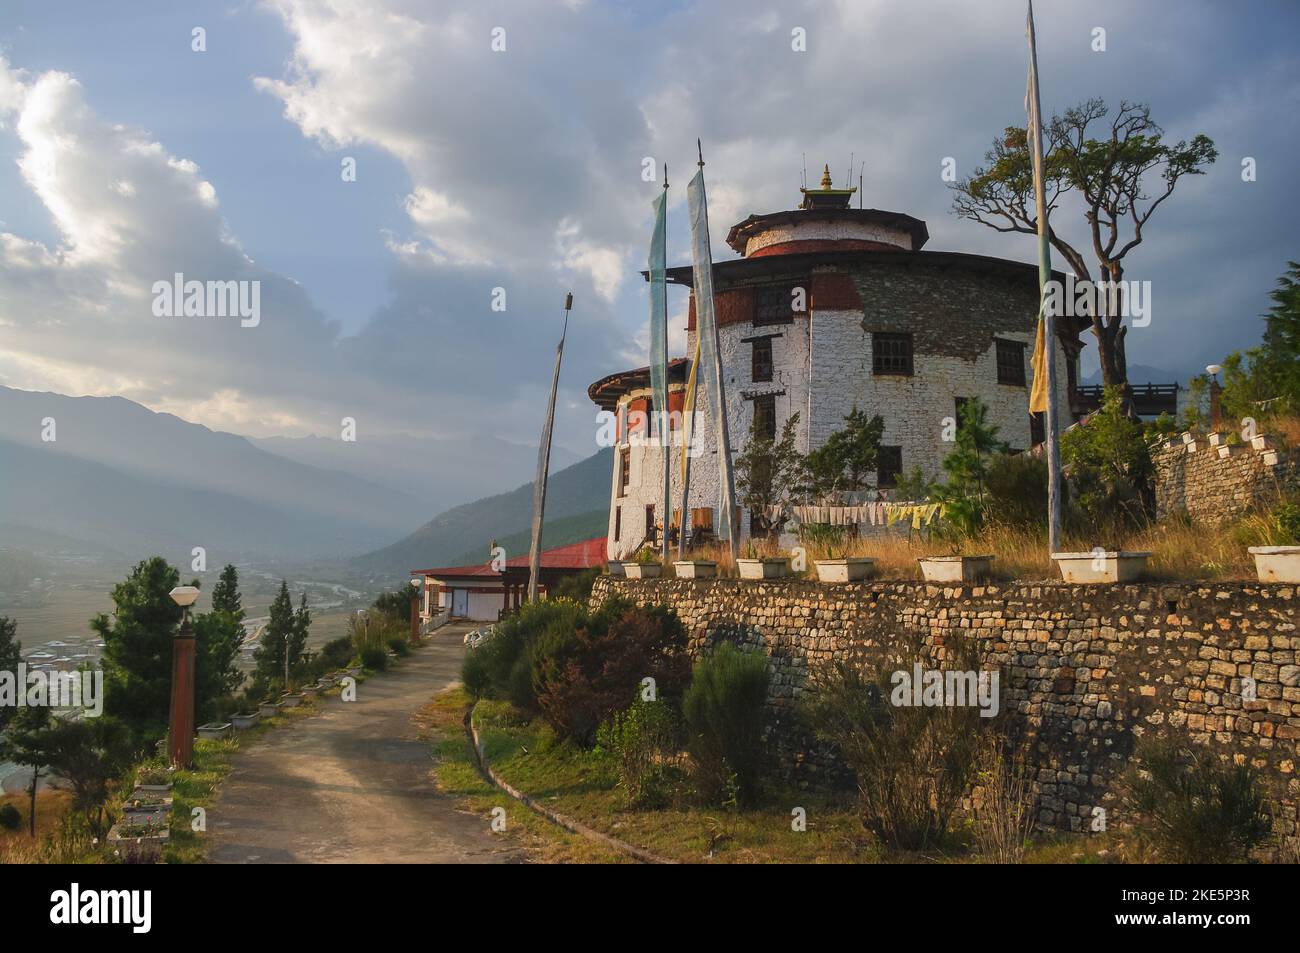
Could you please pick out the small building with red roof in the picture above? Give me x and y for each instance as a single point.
(488, 591)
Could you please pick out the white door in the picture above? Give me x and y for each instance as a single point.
(460, 602)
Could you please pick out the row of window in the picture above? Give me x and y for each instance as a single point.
(701, 520)
(891, 355)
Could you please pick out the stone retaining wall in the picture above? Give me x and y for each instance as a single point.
(1214, 483)
(1085, 669)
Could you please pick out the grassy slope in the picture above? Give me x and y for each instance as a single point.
(579, 489)
(557, 532)
(584, 786)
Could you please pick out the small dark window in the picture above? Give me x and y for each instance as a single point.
(774, 304)
(618, 523)
(762, 360)
(650, 521)
(1011, 363)
(889, 466)
(625, 472)
(765, 416)
(1037, 429)
(891, 353)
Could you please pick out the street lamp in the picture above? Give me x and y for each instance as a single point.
(1213, 371)
(180, 738)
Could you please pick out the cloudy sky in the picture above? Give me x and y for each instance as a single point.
(127, 156)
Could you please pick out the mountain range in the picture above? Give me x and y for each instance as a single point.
(114, 476)
(577, 508)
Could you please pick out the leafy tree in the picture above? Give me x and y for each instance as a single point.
(218, 635)
(138, 646)
(767, 475)
(396, 604)
(1109, 466)
(276, 638)
(1108, 174)
(1265, 380)
(848, 458)
(21, 746)
(10, 656)
(87, 753)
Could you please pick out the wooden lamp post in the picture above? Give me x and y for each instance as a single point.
(180, 736)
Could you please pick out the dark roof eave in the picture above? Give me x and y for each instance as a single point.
(606, 391)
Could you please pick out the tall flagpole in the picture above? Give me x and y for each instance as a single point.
(665, 427)
(688, 436)
(706, 327)
(544, 463)
(1047, 317)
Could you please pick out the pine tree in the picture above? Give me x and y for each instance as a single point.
(301, 628)
(10, 656)
(766, 474)
(218, 635)
(275, 637)
(848, 457)
(225, 595)
(138, 646)
(967, 465)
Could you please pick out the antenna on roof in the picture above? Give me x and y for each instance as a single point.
(863, 169)
(803, 179)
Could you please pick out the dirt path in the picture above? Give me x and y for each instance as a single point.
(353, 784)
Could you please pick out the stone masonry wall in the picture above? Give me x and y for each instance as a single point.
(1086, 670)
(1214, 488)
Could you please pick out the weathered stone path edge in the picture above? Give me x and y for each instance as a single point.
(555, 817)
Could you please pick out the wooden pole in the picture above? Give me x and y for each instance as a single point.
(1049, 319)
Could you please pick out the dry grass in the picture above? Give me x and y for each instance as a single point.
(1179, 551)
(18, 846)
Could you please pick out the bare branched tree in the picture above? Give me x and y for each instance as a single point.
(1109, 175)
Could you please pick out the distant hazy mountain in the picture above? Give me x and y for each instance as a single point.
(441, 472)
(1143, 374)
(577, 491)
(560, 531)
(119, 475)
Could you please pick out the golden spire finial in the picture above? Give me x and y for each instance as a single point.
(826, 177)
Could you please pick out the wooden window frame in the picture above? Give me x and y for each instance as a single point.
(887, 359)
(1010, 372)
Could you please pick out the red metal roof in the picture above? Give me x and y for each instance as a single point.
(575, 556)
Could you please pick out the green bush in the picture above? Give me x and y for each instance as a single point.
(642, 739)
(912, 763)
(1109, 466)
(1193, 808)
(10, 819)
(375, 659)
(491, 670)
(400, 645)
(474, 673)
(1286, 517)
(336, 653)
(723, 712)
(577, 588)
(1015, 489)
(581, 675)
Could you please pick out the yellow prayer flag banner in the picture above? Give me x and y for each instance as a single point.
(1038, 391)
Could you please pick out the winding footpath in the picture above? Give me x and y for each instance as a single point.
(354, 784)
